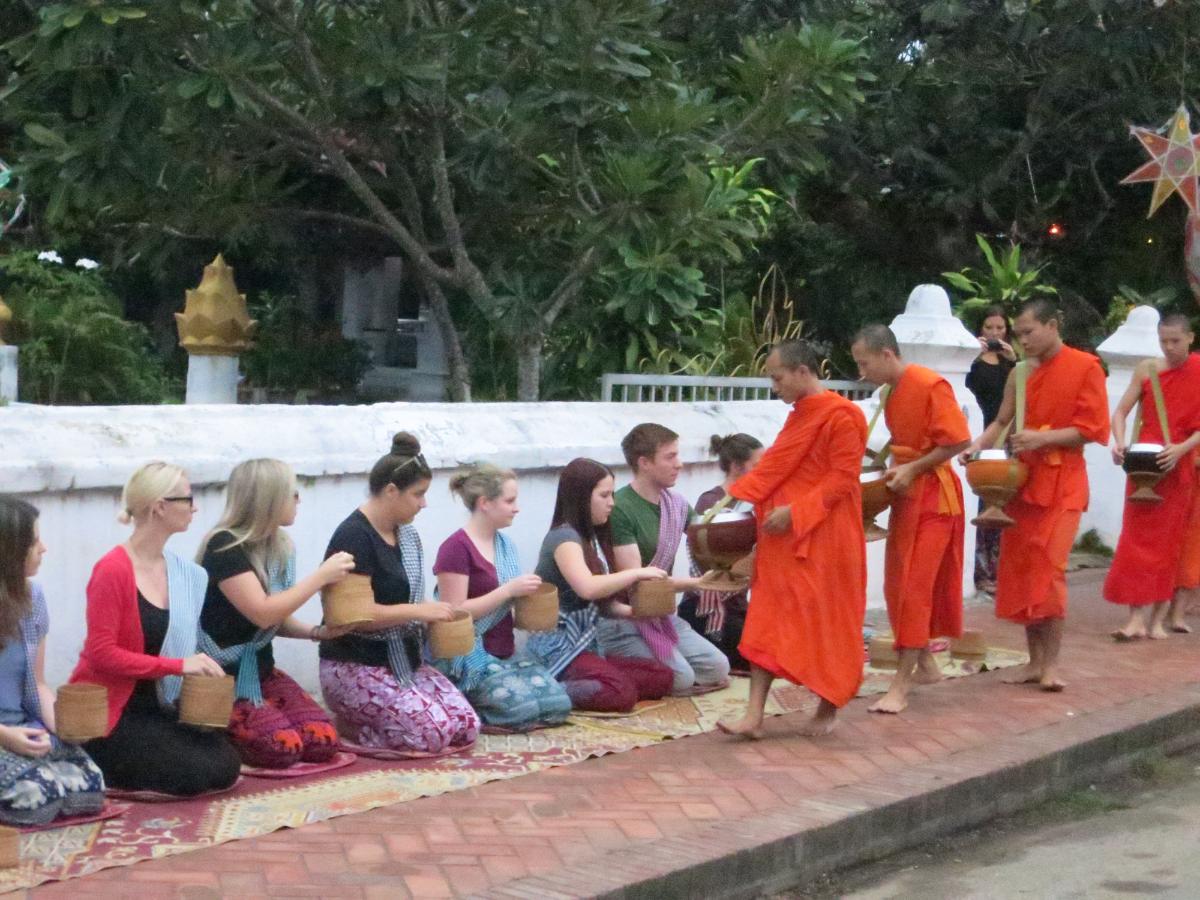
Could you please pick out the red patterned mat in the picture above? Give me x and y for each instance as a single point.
(110, 810)
(340, 760)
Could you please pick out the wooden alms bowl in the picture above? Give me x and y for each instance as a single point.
(875, 499)
(719, 543)
(81, 712)
(1141, 465)
(652, 599)
(995, 477)
(454, 638)
(537, 611)
(205, 701)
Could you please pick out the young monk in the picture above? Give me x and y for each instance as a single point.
(648, 523)
(1066, 407)
(924, 557)
(1148, 570)
(809, 585)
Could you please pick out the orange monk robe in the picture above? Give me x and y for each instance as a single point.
(923, 576)
(1031, 578)
(1146, 566)
(808, 592)
(1188, 574)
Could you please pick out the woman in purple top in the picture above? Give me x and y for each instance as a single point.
(478, 570)
(720, 617)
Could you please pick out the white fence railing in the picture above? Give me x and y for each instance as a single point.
(699, 388)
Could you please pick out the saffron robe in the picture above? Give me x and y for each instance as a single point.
(809, 587)
(923, 575)
(1188, 574)
(1146, 566)
(1031, 581)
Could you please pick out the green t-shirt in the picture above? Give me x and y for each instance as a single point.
(635, 520)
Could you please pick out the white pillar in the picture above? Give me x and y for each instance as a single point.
(8, 374)
(212, 379)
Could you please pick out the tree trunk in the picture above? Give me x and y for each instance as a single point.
(529, 365)
(456, 361)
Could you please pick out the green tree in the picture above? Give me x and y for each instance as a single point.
(534, 163)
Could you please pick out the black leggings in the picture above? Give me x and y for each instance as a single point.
(152, 751)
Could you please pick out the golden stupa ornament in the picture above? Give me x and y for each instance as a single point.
(214, 321)
(5, 317)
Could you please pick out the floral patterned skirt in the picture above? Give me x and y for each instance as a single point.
(517, 694)
(36, 790)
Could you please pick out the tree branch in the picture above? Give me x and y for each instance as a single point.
(568, 289)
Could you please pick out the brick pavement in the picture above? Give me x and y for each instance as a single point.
(686, 816)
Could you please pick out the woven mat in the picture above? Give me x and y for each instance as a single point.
(154, 830)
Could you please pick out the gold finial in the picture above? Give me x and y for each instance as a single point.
(214, 321)
(5, 317)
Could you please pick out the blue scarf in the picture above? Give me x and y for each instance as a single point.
(412, 557)
(186, 584)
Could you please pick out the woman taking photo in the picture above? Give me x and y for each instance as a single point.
(41, 778)
(373, 680)
(143, 618)
(577, 558)
(478, 570)
(252, 594)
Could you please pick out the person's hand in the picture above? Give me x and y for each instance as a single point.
(522, 585)
(1170, 456)
(720, 583)
(1007, 351)
(618, 610)
(983, 344)
(1027, 441)
(434, 611)
(336, 568)
(965, 456)
(1118, 454)
(744, 567)
(331, 632)
(202, 664)
(649, 573)
(25, 741)
(778, 521)
(900, 478)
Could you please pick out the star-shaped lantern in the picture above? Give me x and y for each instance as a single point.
(1175, 166)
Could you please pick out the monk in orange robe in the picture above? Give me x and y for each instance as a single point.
(808, 591)
(1147, 569)
(1066, 406)
(923, 574)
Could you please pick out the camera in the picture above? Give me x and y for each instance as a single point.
(994, 346)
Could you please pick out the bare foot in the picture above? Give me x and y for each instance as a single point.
(1157, 633)
(822, 721)
(743, 728)
(1052, 684)
(1181, 627)
(1023, 675)
(927, 671)
(1122, 636)
(891, 702)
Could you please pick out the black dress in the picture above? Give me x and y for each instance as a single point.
(149, 750)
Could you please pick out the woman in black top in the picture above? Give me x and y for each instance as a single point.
(986, 381)
(374, 680)
(252, 596)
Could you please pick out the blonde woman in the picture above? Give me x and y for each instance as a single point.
(143, 618)
(252, 594)
(478, 570)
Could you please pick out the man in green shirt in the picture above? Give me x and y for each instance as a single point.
(648, 522)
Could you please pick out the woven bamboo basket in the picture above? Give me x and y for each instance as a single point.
(206, 701)
(653, 598)
(538, 611)
(349, 601)
(454, 638)
(81, 712)
(882, 652)
(971, 645)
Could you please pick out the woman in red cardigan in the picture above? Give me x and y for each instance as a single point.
(143, 614)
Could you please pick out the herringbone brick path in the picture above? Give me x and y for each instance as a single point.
(516, 837)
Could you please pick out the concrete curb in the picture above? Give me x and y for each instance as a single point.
(868, 820)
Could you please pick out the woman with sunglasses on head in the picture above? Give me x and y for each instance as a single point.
(41, 778)
(374, 681)
(577, 558)
(252, 595)
(143, 622)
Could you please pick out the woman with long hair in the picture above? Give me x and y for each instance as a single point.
(143, 622)
(252, 595)
(383, 696)
(41, 778)
(577, 558)
(721, 617)
(478, 570)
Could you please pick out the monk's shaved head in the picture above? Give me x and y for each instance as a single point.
(797, 352)
(1045, 311)
(1177, 320)
(877, 338)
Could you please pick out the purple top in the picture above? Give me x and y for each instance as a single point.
(459, 555)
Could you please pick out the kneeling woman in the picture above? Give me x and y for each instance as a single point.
(373, 680)
(576, 558)
(478, 570)
(252, 593)
(41, 778)
(143, 618)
